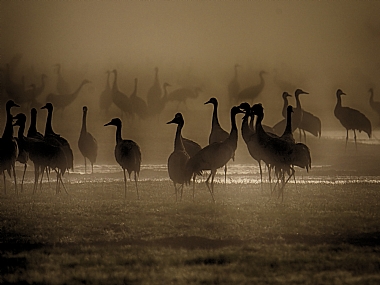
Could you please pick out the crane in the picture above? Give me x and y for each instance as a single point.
(178, 158)
(351, 119)
(214, 155)
(127, 154)
(87, 144)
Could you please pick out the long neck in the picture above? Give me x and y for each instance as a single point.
(114, 86)
(178, 144)
(338, 102)
(21, 130)
(215, 121)
(298, 102)
(262, 82)
(75, 94)
(288, 129)
(48, 127)
(286, 103)
(233, 137)
(33, 123)
(108, 81)
(84, 123)
(8, 130)
(118, 134)
(246, 131)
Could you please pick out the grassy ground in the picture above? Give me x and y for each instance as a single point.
(320, 234)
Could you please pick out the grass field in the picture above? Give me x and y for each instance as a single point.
(320, 234)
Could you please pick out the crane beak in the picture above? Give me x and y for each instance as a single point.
(208, 102)
(107, 124)
(43, 107)
(171, 122)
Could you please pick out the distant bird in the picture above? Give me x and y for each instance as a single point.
(155, 101)
(55, 139)
(63, 87)
(87, 144)
(296, 118)
(234, 85)
(23, 154)
(214, 155)
(180, 95)
(64, 100)
(34, 92)
(252, 92)
(178, 158)
(105, 100)
(41, 153)
(351, 119)
(375, 105)
(8, 146)
(217, 133)
(139, 106)
(285, 96)
(127, 154)
(120, 99)
(311, 124)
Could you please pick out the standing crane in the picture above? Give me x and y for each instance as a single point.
(252, 92)
(62, 101)
(63, 87)
(120, 99)
(178, 158)
(215, 155)
(87, 144)
(217, 133)
(8, 146)
(180, 95)
(139, 106)
(105, 100)
(351, 119)
(127, 154)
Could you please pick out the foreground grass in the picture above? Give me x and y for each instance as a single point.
(320, 234)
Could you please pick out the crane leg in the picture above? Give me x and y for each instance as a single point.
(211, 191)
(346, 139)
(5, 183)
(92, 168)
(225, 174)
(23, 176)
(304, 135)
(356, 146)
(60, 179)
(14, 178)
(193, 187)
(181, 190)
(175, 191)
(261, 176)
(125, 185)
(137, 188)
(85, 165)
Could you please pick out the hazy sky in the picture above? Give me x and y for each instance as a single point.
(323, 44)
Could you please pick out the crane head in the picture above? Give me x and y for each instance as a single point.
(257, 109)
(245, 106)
(212, 100)
(178, 119)
(85, 109)
(48, 106)
(370, 90)
(286, 94)
(289, 109)
(20, 118)
(114, 122)
(340, 92)
(236, 110)
(11, 104)
(299, 92)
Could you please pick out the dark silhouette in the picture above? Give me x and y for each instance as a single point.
(180, 95)
(105, 100)
(139, 106)
(120, 99)
(127, 154)
(252, 92)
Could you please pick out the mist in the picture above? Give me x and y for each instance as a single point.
(319, 46)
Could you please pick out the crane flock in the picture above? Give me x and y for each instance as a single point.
(275, 146)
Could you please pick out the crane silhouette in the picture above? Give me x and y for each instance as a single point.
(23, 155)
(252, 92)
(139, 106)
(63, 87)
(296, 118)
(217, 133)
(62, 101)
(178, 158)
(55, 139)
(214, 155)
(155, 101)
(234, 85)
(34, 92)
(8, 146)
(120, 99)
(375, 105)
(351, 119)
(41, 153)
(87, 144)
(311, 124)
(180, 95)
(105, 100)
(127, 154)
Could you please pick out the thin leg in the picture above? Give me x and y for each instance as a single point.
(304, 135)
(14, 178)
(225, 174)
(125, 185)
(23, 176)
(85, 165)
(261, 175)
(60, 179)
(212, 194)
(356, 146)
(92, 168)
(193, 187)
(175, 191)
(346, 138)
(137, 188)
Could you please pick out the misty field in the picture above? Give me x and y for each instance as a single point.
(322, 233)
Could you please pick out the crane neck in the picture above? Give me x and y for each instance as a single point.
(215, 121)
(233, 137)
(371, 96)
(84, 123)
(8, 130)
(288, 128)
(108, 81)
(118, 134)
(33, 122)
(298, 102)
(21, 129)
(178, 143)
(338, 102)
(48, 127)
(135, 89)
(114, 86)
(246, 131)
(286, 103)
